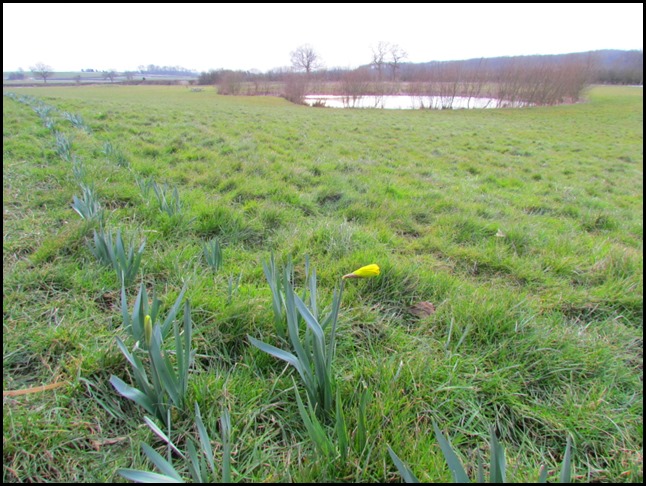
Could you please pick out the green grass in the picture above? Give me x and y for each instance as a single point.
(523, 227)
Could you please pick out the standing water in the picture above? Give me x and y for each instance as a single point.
(408, 102)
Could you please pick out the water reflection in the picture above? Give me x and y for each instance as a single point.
(408, 102)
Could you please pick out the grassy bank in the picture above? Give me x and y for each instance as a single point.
(523, 229)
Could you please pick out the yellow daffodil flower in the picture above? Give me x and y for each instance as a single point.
(371, 270)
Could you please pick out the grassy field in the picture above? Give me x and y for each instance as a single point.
(519, 231)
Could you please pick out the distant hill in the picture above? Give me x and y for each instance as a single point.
(608, 66)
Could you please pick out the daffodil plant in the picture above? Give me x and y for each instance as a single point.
(497, 469)
(111, 250)
(135, 323)
(199, 456)
(163, 382)
(313, 353)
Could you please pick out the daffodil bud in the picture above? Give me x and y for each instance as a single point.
(148, 330)
(371, 270)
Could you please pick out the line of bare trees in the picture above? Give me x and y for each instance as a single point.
(441, 85)
(516, 82)
(511, 81)
(539, 80)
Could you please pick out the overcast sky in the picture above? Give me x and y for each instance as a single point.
(71, 37)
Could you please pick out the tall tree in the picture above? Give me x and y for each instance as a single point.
(42, 70)
(379, 54)
(305, 58)
(397, 54)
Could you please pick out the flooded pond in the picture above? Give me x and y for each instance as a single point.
(408, 102)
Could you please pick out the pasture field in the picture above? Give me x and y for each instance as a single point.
(510, 296)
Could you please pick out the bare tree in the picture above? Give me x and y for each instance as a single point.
(397, 54)
(305, 58)
(110, 74)
(42, 70)
(379, 54)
